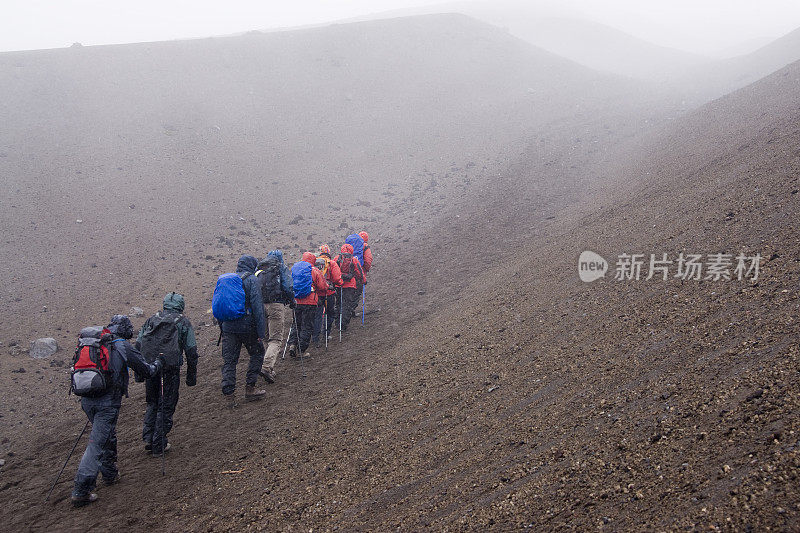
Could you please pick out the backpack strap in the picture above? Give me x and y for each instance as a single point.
(243, 276)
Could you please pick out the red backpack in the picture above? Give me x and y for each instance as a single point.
(91, 375)
(345, 262)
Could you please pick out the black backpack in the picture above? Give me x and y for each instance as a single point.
(160, 336)
(345, 262)
(269, 274)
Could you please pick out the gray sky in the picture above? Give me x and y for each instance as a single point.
(702, 26)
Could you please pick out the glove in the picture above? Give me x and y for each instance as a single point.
(191, 376)
(292, 304)
(156, 367)
(137, 377)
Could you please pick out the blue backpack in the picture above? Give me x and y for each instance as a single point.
(357, 243)
(229, 298)
(301, 279)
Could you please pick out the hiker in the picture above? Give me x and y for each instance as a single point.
(276, 291)
(170, 334)
(357, 242)
(367, 252)
(103, 409)
(352, 278)
(247, 329)
(307, 282)
(326, 307)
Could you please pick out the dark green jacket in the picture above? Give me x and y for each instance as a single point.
(174, 303)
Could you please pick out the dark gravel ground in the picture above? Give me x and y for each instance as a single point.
(492, 389)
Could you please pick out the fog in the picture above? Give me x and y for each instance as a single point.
(708, 27)
(488, 384)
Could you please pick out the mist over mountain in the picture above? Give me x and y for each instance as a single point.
(490, 388)
(208, 131)
(728, 75)
(570, 34)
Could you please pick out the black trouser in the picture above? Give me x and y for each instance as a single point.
(231, 348)
(159, 412)
(350, 298)
(326, 315)
(303, 326)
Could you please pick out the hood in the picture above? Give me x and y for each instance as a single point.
(347, 249)
(364, 235)
(121, 326)
(174, 302)
(309, 257)
(247, 263)
(276, 253)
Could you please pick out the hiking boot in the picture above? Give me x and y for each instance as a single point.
(148, 447)
(307, 354)
(268, 375)
(159, 453)
(251, 394)
(230, 400)
(109, 482)
(86, 499)
(292, 351)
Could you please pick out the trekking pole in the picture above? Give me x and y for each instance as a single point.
(297, 334)
(65, 462)
(341, 304)
(289, 336)
(363, 302)
(163, 434)
(325, 318)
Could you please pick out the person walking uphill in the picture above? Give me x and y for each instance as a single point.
(238, 306)
(352, 278)
(102, 406)
(307, 282)
(171, 334)
(326, 306)
(356, 240)
(276, 290)
(367, 251)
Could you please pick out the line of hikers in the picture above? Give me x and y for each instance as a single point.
(249, 306)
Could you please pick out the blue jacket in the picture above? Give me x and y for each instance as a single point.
(254, 322)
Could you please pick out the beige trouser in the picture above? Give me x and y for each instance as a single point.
(274, 314)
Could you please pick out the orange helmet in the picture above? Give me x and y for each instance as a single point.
(364, 235)
(324, 250)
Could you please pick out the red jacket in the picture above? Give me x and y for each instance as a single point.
(357, 271)
(317, 282)
(367, 258)
(332, 276)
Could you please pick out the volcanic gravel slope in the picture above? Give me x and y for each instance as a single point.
(492, 388)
